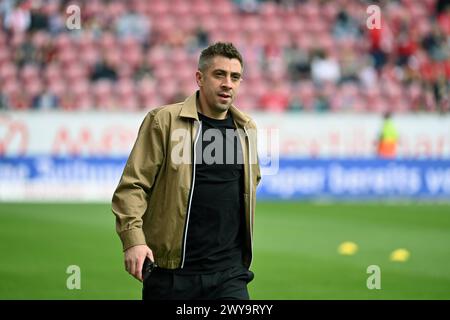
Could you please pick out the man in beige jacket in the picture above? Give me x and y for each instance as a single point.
(186, 198)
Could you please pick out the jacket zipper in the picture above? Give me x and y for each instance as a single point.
(190, 194)
(250, 196)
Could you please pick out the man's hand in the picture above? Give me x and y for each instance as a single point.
(134, 260)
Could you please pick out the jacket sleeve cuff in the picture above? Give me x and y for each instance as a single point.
(132, 237)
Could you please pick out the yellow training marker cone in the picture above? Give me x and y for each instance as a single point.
(400, 255)
(347, 248)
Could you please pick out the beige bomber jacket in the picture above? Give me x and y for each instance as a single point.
(153, 199)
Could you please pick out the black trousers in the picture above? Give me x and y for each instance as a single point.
(230, 284)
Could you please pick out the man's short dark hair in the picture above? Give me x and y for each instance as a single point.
(224, 49)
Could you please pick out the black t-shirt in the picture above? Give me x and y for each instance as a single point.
(216, 222)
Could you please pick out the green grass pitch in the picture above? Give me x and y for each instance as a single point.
(295, 251)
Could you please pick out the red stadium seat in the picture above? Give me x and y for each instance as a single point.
(273, 25)
(223, 8)
(200, 9)
(247, 103)
(29, 72)
(8, 72)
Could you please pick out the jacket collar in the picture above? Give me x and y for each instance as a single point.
(189, 110)
(189, 107)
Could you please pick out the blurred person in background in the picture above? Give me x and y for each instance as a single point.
(133, 24)
(388, 138)
(17, 17)
(324, 68)
(46, 100)
(106, 68)
(297, 62)
(345, 26)
(192, 223)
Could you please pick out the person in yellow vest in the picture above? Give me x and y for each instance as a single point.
(388, 139)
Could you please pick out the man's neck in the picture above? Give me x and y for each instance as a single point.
(207, 111)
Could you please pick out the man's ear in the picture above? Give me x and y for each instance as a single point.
(199, 78)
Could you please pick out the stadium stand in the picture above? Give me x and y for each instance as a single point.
(300, 55)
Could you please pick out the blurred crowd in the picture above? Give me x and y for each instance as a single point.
(299, 55)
